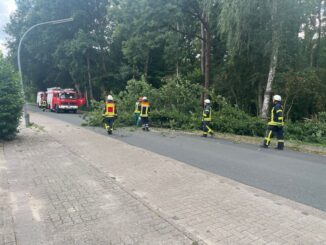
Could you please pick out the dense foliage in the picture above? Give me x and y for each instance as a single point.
(183, 112)
(243, 51)
(227, 46)
(10, 100)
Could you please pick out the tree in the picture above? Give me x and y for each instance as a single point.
(243, 50)
(10, 100)
(204, 12)
(263, 25)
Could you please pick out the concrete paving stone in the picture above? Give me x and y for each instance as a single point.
(117, 186)
(10, 243)
(91, 200)
(9, 237)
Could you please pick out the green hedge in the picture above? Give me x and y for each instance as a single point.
(93, 116)
(311, 130)
(10, 100)
(232, 120)
(176, 106)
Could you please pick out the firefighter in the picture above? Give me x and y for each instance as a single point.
(137, 111)
(207, 118)
(109, 114)
(144, 113)
(43, 105)
(275, 125)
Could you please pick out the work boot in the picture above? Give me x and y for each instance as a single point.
(264, 145)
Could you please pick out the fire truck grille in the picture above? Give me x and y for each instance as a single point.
(68, 103)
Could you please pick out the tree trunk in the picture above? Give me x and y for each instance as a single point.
(205, 53)
(271, 75)
(177, 69)
(133, 70)
(202, 58)
(177, 63)
(89, 80)
(202, 55)
(86, 96)
(103, 60)
(290, 108)
(207, 60)
(273, 63)
(312, 51)
(77, 86)
(260, 101)
(317, 50)
(146, 66)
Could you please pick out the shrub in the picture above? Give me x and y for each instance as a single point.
(93, 117)
(176, 105)
(322, 117)
(10, 100)
(313, 131)
(232, 120)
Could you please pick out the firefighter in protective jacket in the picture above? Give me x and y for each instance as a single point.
(43, 105)
(276, 123)
(110, 113)
(207, 118)
(144, 113)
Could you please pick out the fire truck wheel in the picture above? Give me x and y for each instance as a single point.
(74, 111)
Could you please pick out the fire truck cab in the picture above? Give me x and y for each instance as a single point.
(59, 100)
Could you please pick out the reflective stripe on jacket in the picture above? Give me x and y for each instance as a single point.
(277, 118)
(110, 109)
(144, 109)
(207, 114)
(137, 107)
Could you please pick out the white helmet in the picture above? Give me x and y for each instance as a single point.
(144, 98)
(207, 101)
(277, 97)
(110, 97)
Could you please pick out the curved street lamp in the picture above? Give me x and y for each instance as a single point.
(53, 22)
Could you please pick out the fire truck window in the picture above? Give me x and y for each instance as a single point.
(68, 96)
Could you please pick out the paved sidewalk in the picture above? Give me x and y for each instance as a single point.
(68, 185)
(7, 233)
(59, 198)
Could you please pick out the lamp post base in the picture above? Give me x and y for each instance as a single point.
(27, 121)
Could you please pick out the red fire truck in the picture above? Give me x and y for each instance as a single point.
(59, 99)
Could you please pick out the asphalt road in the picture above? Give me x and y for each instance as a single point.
(298, 176)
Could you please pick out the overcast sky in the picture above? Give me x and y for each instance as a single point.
(6, 7)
